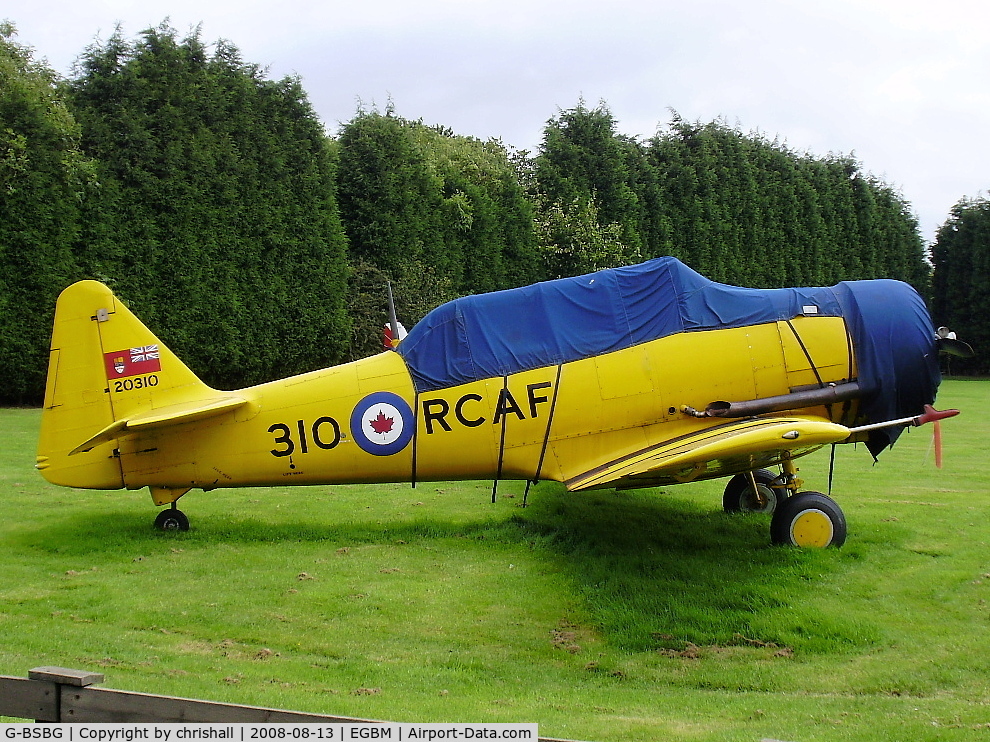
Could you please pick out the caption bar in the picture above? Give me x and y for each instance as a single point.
(177, 732)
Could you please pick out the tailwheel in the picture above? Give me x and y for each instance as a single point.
(172, 519)
(740, 496)
(808, 519)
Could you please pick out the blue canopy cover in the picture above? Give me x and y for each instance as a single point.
(550, 323)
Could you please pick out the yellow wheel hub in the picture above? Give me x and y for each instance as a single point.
(812, 528)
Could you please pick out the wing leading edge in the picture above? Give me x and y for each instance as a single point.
(716, 451)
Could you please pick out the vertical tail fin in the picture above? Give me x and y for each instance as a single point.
(104, 367)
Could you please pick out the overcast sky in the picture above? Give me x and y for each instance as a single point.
(902, 85)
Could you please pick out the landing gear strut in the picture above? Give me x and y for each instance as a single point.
(757, 491)
(799, 518)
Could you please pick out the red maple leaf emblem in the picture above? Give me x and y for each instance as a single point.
(382, 424)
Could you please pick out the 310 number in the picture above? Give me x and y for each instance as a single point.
(323, 433)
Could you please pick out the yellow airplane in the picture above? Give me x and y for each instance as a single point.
(632, 377)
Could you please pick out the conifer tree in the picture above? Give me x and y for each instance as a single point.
(390, 201)
(43, 180)
(586, 168)
(415, 196)
(745, 210)
(583, 157)
(217, 221)
(961, 280)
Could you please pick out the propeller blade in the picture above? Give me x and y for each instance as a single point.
(955, 347)
(947, 342)
(937, 438)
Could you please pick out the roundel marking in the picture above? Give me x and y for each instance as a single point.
(382, 423)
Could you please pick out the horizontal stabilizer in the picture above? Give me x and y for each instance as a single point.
(683, 458)
(185, 412)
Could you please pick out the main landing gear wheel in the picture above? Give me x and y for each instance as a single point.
(172, 519)
(740, 497)
(808, 519)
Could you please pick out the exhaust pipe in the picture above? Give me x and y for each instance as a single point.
(830, 394)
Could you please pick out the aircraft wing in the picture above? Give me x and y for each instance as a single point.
(740, 445)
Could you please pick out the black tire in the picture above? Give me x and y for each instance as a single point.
(740, 498)
(172, 519)
(808, 519)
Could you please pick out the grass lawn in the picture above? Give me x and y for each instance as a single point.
(605, 616)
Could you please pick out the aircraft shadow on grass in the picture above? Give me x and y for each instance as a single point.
(633, 556)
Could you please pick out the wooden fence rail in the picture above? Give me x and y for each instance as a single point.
(58, 694)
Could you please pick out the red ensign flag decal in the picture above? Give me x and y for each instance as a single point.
(132, 362)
